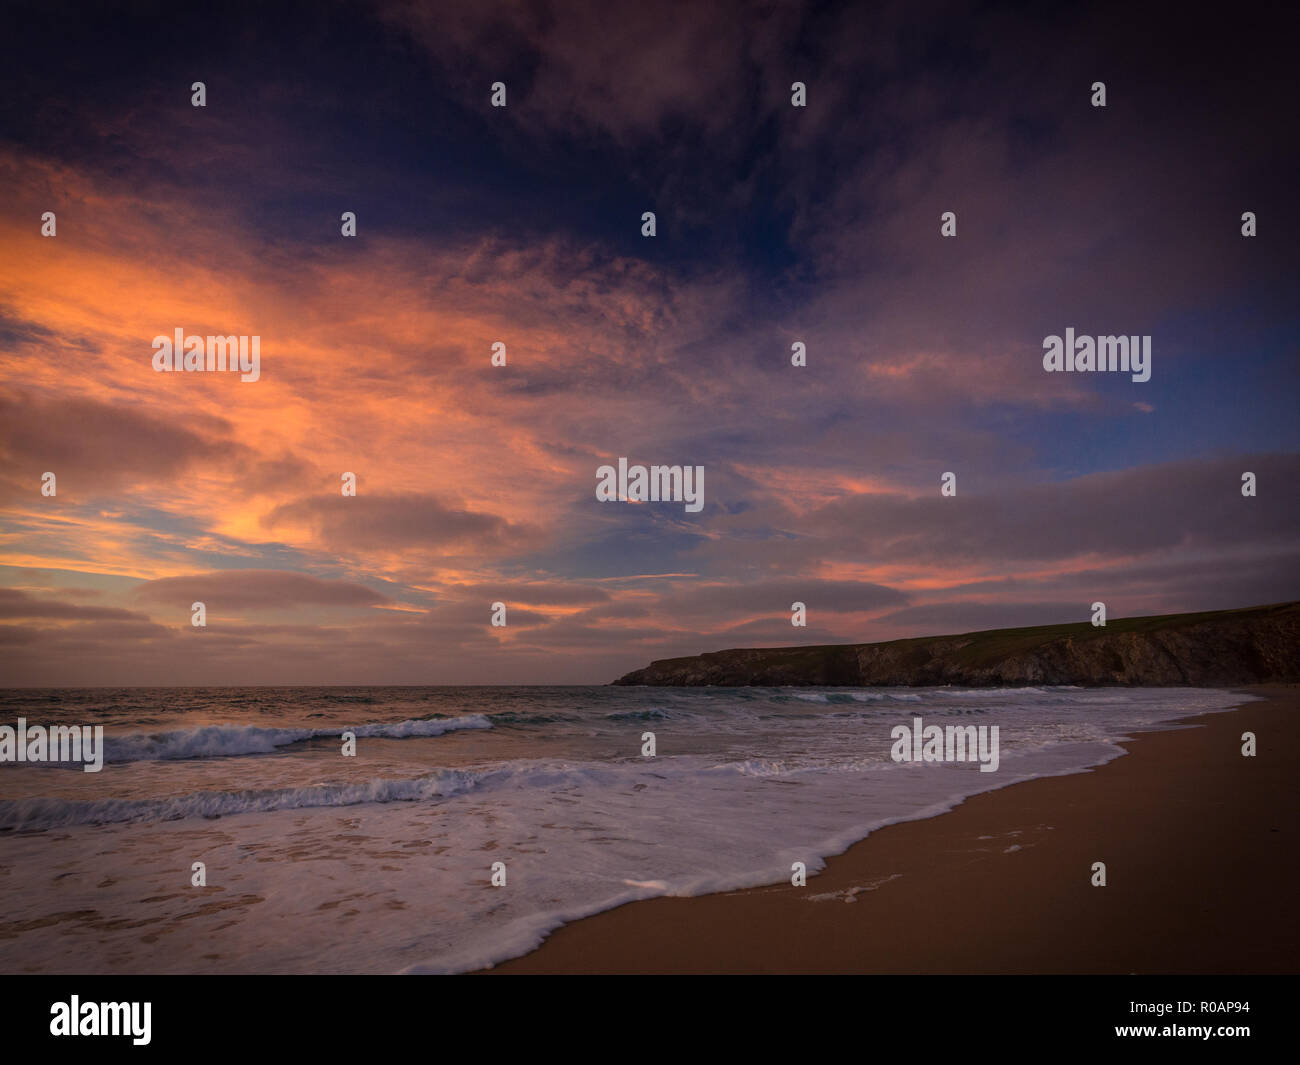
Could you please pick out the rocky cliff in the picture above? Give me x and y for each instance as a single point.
(1216, 649)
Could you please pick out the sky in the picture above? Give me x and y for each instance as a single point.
(523, 224)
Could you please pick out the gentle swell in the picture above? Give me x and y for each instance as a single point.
(227, 741)
(37, 814)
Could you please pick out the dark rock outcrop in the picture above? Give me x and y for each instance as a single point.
(1215, 649)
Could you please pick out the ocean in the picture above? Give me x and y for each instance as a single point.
(383, 862)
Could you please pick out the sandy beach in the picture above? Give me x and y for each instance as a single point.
(1199, 842)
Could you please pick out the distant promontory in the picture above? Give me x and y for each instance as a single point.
(1218, 648)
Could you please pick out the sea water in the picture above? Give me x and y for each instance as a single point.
(383, 862)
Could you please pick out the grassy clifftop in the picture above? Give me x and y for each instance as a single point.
(1209, 649)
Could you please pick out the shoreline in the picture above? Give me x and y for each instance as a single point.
(1200, 846)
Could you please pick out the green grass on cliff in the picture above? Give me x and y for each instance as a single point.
(992, 645)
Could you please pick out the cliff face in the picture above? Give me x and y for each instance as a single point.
(1216, 649)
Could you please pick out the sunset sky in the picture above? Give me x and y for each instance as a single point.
(522, 224)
